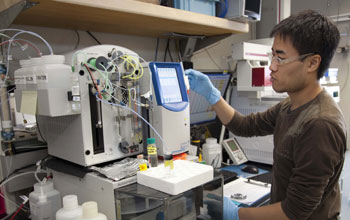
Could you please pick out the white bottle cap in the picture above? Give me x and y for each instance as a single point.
(36, 61)
(24, 63)
(53, 59)
(211, 141)
(46, 187)
(90, 209)
(70, 202)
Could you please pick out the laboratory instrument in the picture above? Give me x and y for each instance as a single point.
(234, 151)
(169, 111)
(85, 115)
(246, 10)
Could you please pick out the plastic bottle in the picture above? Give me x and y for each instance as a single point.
(152, 152)
(43, 208)
(212, 152)
(54, 73)
(90, 212)
(71, 210)
(20, 73)
(33, 71)
(42, 192)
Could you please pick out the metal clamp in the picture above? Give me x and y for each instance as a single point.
(239, 196)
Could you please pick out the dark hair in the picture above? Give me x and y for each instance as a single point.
(310, 32)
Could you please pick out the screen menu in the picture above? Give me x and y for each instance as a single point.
(169, 85)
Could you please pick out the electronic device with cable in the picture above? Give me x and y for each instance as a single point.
(96, 100)
(234, 151)
(169, 112)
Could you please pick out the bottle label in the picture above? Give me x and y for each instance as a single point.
(151, 150)
(75, 90)
(76, 98)
(20, 80)
(31, 79)
(42, 78)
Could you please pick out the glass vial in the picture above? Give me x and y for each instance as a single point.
(152, 152)
(168, 163)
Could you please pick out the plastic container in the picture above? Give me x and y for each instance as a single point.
(20, 74)
(33, 71)
(71, 209)
(90, 212)
(53, 73)
(152, 152)
(44, 201)
(200, 6)
(212, 152)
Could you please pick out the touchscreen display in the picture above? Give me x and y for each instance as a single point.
(169, 85)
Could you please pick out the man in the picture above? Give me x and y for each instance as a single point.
(308, 127)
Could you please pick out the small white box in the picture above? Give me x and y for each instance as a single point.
(185, 176)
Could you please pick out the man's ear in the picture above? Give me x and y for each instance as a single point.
(314, 62)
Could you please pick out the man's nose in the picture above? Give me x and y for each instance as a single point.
(273, 66)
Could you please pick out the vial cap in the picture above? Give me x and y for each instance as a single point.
(53, 59)
(70, 202)
(211, 140)
(90, 209)
(36, 61)
(168, 157)
(24, 62)
(151, 140)
(140, 156)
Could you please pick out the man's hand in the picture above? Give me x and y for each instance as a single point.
(202, 85)
(214, 208)
(230, 210)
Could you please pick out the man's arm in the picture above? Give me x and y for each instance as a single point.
(269, 212)
(224, 111)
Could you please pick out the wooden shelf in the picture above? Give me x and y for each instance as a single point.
(125, 17)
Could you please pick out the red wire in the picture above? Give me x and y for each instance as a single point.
(93, 81)
(35, 48)
(19, 209)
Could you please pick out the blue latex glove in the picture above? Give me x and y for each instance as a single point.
(230, 209)
(214, 207)
(201, 84)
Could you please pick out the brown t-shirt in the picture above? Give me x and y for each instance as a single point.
(309, 149)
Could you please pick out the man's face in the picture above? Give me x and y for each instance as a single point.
(288, 77)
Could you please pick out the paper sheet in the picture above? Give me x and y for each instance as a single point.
(254, 190)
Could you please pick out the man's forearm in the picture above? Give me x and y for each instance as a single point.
(224, 111)
(269, 212)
